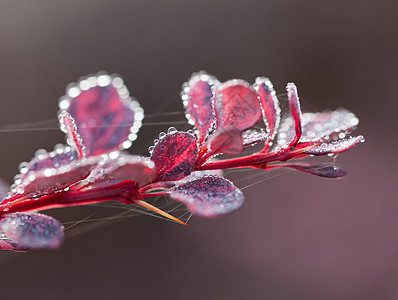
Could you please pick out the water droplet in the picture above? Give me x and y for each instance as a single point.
(23, 167)
(48, 172)
(162, 135)
(150, 149)
(126, 144)
(171, 130)
(155, 141)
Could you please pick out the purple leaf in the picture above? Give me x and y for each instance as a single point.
(125, 167)
(336, 147)
(227, 140)
(295, 111)
(49, 172)
(318, 170)
(107, 119)
(236, 105)
(197, 98)
(174, 155)
(209, 196)
(270, 105)
(68, 125)
(320, 127)
(252, 137)
(198, 174)
(29, 231)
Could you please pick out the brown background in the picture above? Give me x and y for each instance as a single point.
(297, 237)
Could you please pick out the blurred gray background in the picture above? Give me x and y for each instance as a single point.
(297, 236)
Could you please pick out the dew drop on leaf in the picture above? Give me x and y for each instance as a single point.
(337, 146)
(209, 196)
(197, 99)
(174, 156)
(30, 231)
(107, 119)
(227, 140)
(269, 103)
(236, 104)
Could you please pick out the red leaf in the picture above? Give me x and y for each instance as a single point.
(30, 231)
(295, 111)
(68, 126)
(252, 137)
(336, 147)
(320, 127)
(227, 140)
(125, 167)
(236, 105)
(270, 105)
(49, 172)
(209, 196)
(174, 155)
(197, 98)
(107, 119)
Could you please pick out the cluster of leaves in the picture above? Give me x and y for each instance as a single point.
(100, 120)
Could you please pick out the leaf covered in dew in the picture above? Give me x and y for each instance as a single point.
(107, 119)
(227, 140)
(198, 174)
(208, 196)
(197, 99)
(124, 167)
(270, 105)
(295, 111)
(174, 155)
(236, 105)
(318, 170)
(252, 137)
(49, 172)
(29, 231)
(336, 147)
(320, 127)
(68, 126)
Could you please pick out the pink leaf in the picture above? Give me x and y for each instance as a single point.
(320, 127)
(227, 140)
(29, 231)
(68, 126)
(107, 119)
(197, 98)
(209, 196)
(252, 137)
(124, 167)
(174, 155)
(295, 111)
(49, 172)
(336, 147)
(270, 105)
(236, 105)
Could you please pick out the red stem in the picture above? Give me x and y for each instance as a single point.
(125, 191)
(247, 161)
